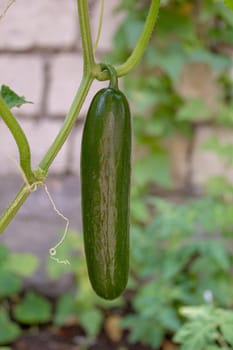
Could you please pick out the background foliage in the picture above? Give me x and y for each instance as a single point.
(181, 254)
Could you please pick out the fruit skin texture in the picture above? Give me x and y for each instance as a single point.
(105, 184)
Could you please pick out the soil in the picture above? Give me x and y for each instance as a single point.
(73, 339)
(67, 339)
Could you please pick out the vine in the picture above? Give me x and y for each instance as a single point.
(8, 5)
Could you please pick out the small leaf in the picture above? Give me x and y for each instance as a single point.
(196, 335)
(33, 310)
(194, 312)
(227, 333)
(153, 168)
(4, 254)
(11, 98)
(91, 320)
(65, 309)
(9, 331)
(139, 211)
(194, 109)
(9, 283)
(22, 264)
(226, 329)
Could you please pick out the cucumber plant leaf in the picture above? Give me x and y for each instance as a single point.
(65, 309)
(22, 264)
(9, 331)
(34, 309)
(10, 283)
(11, 98)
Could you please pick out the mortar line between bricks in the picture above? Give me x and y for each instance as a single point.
(56, 117)
(45, 88)
(45, 50)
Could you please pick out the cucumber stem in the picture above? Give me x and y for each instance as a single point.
(113, 80)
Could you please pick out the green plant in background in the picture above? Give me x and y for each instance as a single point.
(183, 254)
(183, 78)
(13, 268)
(34, 309)
(207, 328)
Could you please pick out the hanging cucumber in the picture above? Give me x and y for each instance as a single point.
(105, 184)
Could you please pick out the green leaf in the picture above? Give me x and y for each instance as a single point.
(195, 335)
(229, 3)
(34, 309)
(10, 283)
(65, 309)
(174, 23)
(139, 211)
(153, 168)
(226, 330)
(9, 331)
(22, 264)
(11, 98)
(219, 186)
(218, 62)
(219, 253)
(225, 115)
(145, 331)
(204, 327)
(91, 320)
(225, 320)
(194, 109)
(195, 311)
(128, 33)
(170, 60)
(223, 149)
(4, 254)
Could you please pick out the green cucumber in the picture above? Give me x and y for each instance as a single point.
(105, 186)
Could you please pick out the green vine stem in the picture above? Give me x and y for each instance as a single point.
(88, 64)
(140, 47)
(99, 26)
(112, 75)
(85, 31)
(20, 139)
(68, 123)
(13, 208)
(43, 167)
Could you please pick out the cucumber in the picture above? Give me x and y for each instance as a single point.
(105, 187)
